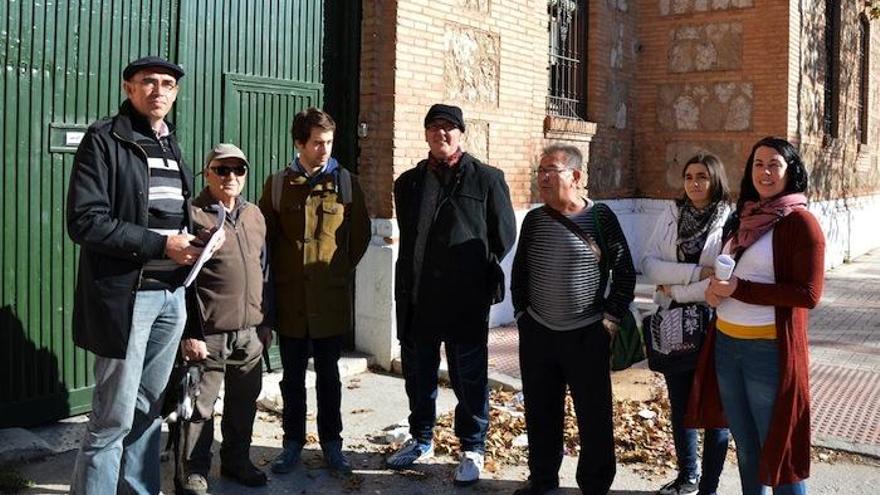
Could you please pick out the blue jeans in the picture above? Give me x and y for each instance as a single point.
(715, 440)
(748, 379)
(124, 428)
(468, 374)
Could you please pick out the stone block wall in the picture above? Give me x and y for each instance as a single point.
(489, 57)
(712, 76)
(611, 104)
(841, 166)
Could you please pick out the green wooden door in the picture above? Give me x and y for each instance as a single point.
(255, 64)
(257, 115)
(60, 66)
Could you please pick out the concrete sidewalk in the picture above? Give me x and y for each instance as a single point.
(371, 403)
(845, 358)
(844, 337)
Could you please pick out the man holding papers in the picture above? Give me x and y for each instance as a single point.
(225, 307)
(126, 210)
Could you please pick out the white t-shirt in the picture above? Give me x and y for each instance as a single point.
(755, 265)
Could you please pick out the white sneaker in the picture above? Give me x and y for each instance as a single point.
(469, 468)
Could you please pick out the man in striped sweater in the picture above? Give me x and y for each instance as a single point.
(567, 250)
(126, 210)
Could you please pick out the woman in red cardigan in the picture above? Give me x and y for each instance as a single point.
(754, 370)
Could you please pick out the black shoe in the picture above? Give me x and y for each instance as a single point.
(246, 474)
(680, 486)
(336, 461)
(532, 488)
(288, 458)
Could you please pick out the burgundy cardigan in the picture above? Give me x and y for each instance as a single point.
(799, 267)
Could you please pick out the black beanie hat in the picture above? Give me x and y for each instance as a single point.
(445, 112)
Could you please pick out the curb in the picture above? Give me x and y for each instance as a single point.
(836, 443)
(21, 445)
(496, 378)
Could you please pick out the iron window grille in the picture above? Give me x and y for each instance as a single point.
(864, 77)
(832, 67)
(568, 59)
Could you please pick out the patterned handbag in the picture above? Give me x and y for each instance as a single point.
(673, 337)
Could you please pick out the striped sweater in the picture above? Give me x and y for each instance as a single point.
(166, 203)
(557, 278)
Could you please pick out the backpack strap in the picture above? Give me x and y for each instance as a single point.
(598, 225)
(277, 185)
(573, 227)
(344, 185)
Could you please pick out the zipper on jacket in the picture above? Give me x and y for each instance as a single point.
(244, 270)
(146, 197)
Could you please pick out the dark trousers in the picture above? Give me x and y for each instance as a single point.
(295, 357)
(234, 358)
(468, 365)
(714, 439)
(550, 360)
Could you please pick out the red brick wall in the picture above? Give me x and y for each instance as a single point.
(764, 64)
(783, 59)
(412, 41)
(635, 150)
(378, 41)
(612, 71)
(841, 166)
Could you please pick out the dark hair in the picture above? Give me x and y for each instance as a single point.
(796, 173)
(308, 119)
(717, 177)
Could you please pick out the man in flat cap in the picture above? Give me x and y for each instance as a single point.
(126, 210)
(456, 224)
(224, 335)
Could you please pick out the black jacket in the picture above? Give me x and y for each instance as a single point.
(107, 216)
(474, 228)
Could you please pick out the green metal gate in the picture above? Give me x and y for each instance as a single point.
(251, 65)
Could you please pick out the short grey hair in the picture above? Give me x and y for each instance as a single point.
(573, 157)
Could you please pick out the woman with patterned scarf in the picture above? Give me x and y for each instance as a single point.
(753, 371)
(679, 258)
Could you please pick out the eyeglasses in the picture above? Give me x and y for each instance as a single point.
(151, 83)
(552, 171)
(441, 124)
(223, 170)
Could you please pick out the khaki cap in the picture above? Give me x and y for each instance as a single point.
(226, 150)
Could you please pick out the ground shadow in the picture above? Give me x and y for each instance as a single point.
(32, 391)
(370, 476)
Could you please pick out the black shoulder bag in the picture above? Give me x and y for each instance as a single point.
(627, 347)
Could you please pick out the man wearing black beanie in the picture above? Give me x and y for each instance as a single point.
(456, 224)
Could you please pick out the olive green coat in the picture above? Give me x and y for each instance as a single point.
(315, 242)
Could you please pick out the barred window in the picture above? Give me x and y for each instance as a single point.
(864, 55)
(832, 67)
(568, 58)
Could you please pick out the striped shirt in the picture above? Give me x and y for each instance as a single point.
(165, 208)
(557, 277)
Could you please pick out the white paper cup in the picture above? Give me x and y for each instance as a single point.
(724, 265)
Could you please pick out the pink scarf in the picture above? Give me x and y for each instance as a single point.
(758, 217)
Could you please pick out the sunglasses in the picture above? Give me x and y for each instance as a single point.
(223, 170)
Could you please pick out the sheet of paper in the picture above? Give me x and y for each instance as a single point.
(209, 247)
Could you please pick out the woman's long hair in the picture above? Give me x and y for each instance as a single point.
(717, 178)
(797, 178)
